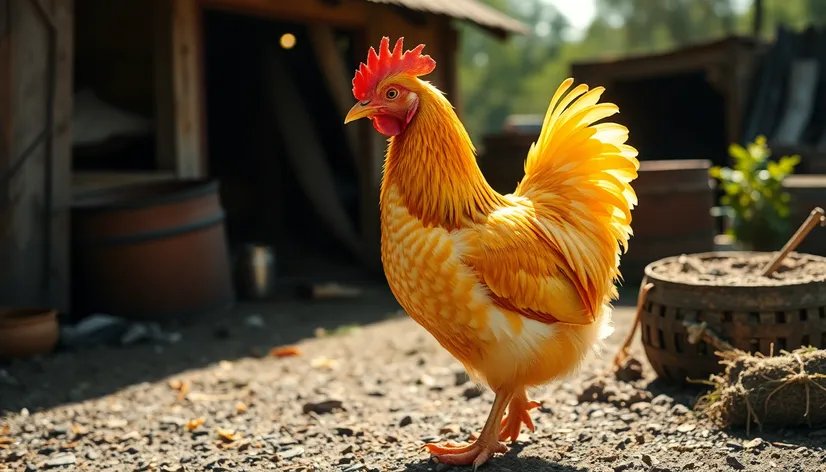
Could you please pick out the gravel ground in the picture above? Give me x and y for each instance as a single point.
(358, 399)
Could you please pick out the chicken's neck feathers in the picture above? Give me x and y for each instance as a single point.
(433, 165)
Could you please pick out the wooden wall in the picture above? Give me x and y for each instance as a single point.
(35, 159)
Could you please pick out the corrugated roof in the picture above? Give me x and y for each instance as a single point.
(470, 10)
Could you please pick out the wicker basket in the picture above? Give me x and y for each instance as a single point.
(751, 318)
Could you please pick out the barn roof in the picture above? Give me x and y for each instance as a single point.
(470, 10)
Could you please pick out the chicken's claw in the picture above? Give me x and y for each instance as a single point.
(476, 453)
(518, 413)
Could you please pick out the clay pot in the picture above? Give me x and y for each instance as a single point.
(26, 332)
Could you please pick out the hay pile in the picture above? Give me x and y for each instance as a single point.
(784, 390)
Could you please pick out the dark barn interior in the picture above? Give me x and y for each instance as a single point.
(264, 201)
(675, 116)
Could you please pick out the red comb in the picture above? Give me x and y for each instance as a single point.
(386, 63)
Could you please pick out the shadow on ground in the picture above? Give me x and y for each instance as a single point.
(507, 463)
(74, 376)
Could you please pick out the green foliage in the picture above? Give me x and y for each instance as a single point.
(753, 194)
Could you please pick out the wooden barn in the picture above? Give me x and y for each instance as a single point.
(96, 94)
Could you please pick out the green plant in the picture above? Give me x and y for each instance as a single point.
(753, 196)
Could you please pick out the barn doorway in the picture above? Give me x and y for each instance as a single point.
(276, 141)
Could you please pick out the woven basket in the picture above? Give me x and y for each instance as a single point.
(751, 318)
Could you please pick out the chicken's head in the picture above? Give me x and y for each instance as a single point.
(386, 86)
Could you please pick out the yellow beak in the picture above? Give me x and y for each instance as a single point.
(359, 111)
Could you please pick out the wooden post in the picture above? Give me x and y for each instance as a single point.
(35, 52)
(61, 155)
(179, 96)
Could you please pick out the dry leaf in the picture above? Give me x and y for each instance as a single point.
(241, 407)
(70, 445)
(228, 435)
(192, 425)
(182, 386)
(285, 351)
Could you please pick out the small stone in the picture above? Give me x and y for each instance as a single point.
(323, 407)
(472, 392)
(130, 436)
(624, 466)
(92, 455)
(426, 380)
(686, 427)
(733, 446)
(648, 460)
(630, 371)
(641, 407)
(689, 466)
(347, 459)
(460, 378)
(406, 420)
(344, 431)
(679, 410)
(291, 453)
(661, 400)
(449, 429)
(59, 430)
(734, 463)
(60, 460)
(355, 468)
(756, 442)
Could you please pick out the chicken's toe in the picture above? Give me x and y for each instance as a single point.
(518, 414)
(476, 453)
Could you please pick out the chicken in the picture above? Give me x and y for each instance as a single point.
(516, 287)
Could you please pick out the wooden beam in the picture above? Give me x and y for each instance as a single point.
(61, 156)
(179, 95)
(347, 13)
(337, 78)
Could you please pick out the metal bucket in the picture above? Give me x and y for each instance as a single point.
(255, 272)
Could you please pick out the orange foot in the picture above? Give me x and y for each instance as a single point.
(476, 453)
(518, 413)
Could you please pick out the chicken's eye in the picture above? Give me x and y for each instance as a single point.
(391, 94)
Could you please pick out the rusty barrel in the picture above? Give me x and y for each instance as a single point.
(807, 192)
(673, 216)
(151, 250)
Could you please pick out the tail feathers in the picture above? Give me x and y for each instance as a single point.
(579, 172)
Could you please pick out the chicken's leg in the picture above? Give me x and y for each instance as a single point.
(519, 412)
(478, 452)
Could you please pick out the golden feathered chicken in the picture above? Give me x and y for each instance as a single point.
(516, 287)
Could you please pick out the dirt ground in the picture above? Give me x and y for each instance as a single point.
(356, 399)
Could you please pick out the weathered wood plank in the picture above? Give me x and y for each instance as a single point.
(347, 13)
(179, 92)
(61, 155)
(25, 239)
